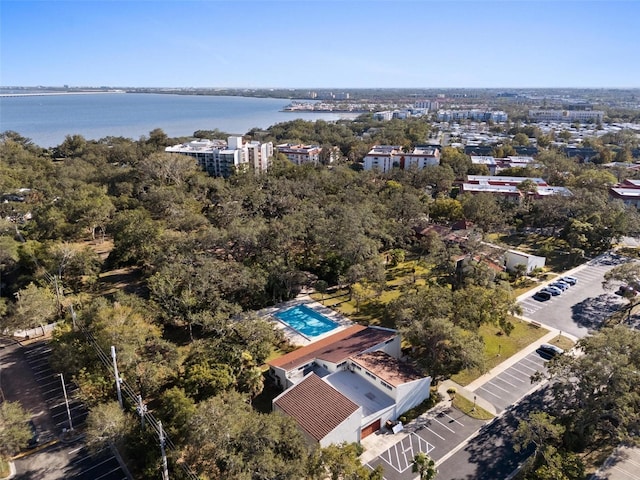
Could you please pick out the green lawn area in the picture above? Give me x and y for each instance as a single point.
(499, 347)
(466, 406)
(553, 248)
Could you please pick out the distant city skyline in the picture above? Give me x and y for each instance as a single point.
(320, 44)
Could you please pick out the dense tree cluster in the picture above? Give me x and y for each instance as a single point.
(205, 252)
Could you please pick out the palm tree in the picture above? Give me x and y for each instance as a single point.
(425, 466)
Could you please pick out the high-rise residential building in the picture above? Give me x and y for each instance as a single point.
(300, 154)
(221, 158)
(386, 157)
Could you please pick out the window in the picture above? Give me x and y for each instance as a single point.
(356, 366)
(386, 385)
(369, 374)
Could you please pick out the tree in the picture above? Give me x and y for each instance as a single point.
(424, 466)
(14, 429)
(539, 430)
(595, 395)
(626, 277)
(442, 349)
(107, 423)
(34, 306)
(340, 462)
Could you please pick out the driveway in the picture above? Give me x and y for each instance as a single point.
(584, 306)
(436, 434)
(512, 384)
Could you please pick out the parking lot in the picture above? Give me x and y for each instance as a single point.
(40, 390)
(584, 306)
(436, 434)
(512, 384)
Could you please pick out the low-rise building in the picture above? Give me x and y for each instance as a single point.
(221, 158)
(346, 386)
(627, 191)
(386, 157)
(570, 116)
(300, 154)
(507, 187)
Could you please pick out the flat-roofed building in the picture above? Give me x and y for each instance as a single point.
(386, 157)
(300, 154)
(582, 116)
(627, 191)
(221, 158)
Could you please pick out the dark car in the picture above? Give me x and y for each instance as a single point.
(550, 350)
(35, 435)
(542, 296)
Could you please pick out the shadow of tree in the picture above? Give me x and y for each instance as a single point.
(592, 312)
(491, 453)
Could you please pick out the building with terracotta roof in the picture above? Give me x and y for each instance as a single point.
(628, 192)
(323, 414)
(300, 154)
(360, 364)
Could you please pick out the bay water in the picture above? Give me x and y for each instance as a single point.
(47, 119)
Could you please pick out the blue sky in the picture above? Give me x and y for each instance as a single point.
(315, 44)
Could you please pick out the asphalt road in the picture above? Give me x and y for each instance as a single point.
(27, 377)
(583, 307)
(490, 454)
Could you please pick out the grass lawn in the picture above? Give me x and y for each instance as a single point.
(401, 278)
(4, 469)
(499, 347)
(466, 406)
(553, 248)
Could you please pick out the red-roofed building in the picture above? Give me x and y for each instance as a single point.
(324, 415)
(360, 364)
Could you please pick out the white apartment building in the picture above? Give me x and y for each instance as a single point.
(221, 159)
(475, 115)
(582, 116)
(300, 154)
(386, 157)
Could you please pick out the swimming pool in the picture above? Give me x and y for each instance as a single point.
(306, 321)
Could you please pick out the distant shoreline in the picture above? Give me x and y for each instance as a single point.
(43, 94)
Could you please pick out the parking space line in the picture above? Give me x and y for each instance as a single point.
(452, 431)
(497, 386)
(514, 377)
(441, 438)
(108, 473)
(97, 464)
(499, 377)
(490, 393)
(528, 375)
(454, 419)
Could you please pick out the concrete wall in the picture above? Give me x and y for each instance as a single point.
(412, 394)
(347, 431)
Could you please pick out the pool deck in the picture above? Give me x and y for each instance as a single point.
(292, 335)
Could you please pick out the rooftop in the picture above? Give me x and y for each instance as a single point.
(337, 347)
(360, 391)
(387, 368)
(316, 406)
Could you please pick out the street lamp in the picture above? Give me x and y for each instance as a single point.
(474, 403)
(66, 401)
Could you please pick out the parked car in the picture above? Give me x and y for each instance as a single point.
(561, 285)
(552, 290)
(569, 279)
(550, 350)
(542, 296)
(35, 435)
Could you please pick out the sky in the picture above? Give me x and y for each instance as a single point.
(321, 44)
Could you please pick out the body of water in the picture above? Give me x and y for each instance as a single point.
(47, 119)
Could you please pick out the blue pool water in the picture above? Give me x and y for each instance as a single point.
(306, 321)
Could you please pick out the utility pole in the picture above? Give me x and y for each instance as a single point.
(66, 400)
(165, 470)
(141, 409)
(115, 370)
